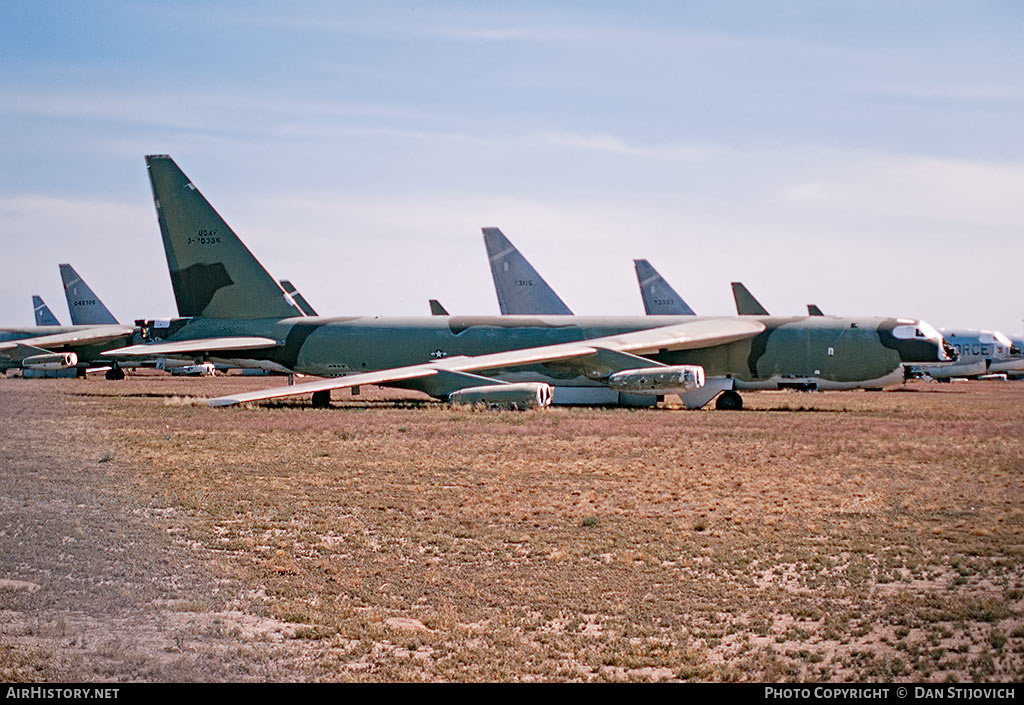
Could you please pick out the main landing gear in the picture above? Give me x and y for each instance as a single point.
(114, 373)
(729, 401)
(322, 399)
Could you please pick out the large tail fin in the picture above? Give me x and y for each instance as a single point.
(436, 309)
(85, 307)
(520, 289)
(44, 316)
(659, 297)
(212, 272)
(813, 310)
(746, 304)
(298, 298)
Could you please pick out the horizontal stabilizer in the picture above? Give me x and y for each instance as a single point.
(194, 347)
(298, 298)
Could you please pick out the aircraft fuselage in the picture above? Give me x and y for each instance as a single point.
(847, 352)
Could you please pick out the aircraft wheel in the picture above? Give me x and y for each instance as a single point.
(114, 374)
(322, 400)
(729, 401)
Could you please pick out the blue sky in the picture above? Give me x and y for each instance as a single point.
(862, 155)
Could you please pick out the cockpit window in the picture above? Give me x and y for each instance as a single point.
(921, 330)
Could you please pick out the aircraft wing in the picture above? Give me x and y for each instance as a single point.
(16, 352)
(94, 335)
(197, 346)
(680, 336)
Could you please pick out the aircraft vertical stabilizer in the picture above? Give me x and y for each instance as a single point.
(659, 297)
(520, 289)
(44, 316)
(436, 309)
(746, 304)
(213, 273)
(85, 307)
(813, 310)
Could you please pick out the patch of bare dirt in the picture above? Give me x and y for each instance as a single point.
(841, 536)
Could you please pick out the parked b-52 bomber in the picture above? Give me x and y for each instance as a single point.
(49, 349)
(238, 314)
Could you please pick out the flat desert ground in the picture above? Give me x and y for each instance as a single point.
(853, 536)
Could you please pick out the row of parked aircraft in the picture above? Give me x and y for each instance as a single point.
(233, 313)
(87, 309)
(522, 290)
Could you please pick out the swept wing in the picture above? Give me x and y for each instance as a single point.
(680, 336)
(93, 335)
(197, 346)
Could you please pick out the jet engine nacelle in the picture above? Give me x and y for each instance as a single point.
(524, 395)
(50, 361)
(655, 380)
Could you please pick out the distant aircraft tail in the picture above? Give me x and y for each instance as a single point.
(44, 316)
(436, 309)
(520, 289)
(85, 307)
(813, 310)
(659, 297)
(746, 304)
(212, 272)
(298, 298)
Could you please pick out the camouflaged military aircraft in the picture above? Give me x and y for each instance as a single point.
(240, 314)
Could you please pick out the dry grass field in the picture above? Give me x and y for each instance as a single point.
(834, 536)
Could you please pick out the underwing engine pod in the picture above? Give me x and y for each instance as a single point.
(50, 361)
(659, 380)
(524, 395)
